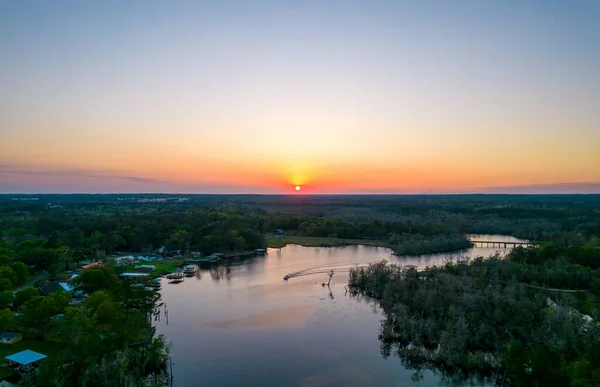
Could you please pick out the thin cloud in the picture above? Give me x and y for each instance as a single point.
(553, 188)
(92, 174)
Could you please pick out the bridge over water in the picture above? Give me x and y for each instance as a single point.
(484, 243)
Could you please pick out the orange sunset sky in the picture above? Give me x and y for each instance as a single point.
(337, 97)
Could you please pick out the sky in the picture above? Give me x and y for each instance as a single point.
(333, 96)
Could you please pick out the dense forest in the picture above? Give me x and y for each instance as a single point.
(530, 319)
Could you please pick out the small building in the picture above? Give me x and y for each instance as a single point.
(125, 260)
(171, 249)
(92, 265)
(69, 288)
(150, 258)
(25, 361)
(133, 275)
(260, 251)
(278, 233)
(10, 337)
(145, 268)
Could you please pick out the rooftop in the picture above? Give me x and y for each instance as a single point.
(26, 357)
(131, 275)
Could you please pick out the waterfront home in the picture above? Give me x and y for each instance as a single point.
(260, 251)
(10, 337)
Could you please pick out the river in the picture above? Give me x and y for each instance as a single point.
(241, 324)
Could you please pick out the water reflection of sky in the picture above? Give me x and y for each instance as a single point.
(242, 324)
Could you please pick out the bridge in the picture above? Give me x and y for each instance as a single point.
(503, 244)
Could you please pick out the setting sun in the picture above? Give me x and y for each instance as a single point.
(298, 188)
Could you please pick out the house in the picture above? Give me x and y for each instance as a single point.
(278, 233)
(92, 265)
(10, 337)
(56, 286)
(125, 260)
(260, 251)
(24, 361)
(171, 249)
(52, 287)
(69, 288)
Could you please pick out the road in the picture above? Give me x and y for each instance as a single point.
(43, 275)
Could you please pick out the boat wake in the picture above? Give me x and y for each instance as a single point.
(324, 270)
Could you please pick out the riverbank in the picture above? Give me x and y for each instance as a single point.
(307, 241)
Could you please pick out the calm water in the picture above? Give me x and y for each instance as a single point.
(241, 324)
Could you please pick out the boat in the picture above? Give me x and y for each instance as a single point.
(155, 284)
(287, 277)
(175, 276)
(189, 270)
(216, 257)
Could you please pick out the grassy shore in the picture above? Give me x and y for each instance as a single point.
(321, 242)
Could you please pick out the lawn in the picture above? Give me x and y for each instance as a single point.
(321, 242)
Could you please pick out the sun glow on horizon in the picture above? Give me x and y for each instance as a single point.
(298, 188)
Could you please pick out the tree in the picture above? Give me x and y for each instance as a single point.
(24, 295)
(37, 315)
(99, 278)
(95, 299)
(75, 324)
(106, 313)
(5, 284)
(38, 312)
(7, 319)
(21, 271)
(7, 272)
(7, 298)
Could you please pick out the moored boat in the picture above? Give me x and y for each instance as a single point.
(190, 270)
(175, 276)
